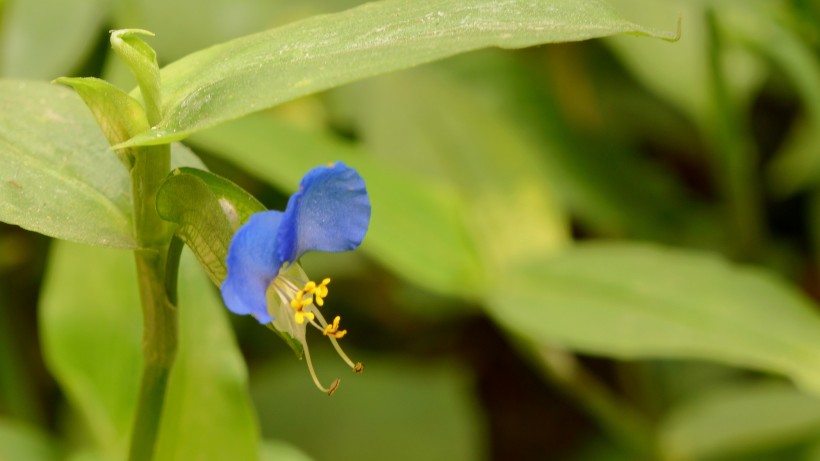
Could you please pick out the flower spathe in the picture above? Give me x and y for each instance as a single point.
(330, 212)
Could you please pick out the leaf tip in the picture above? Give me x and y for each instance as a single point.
(119, 33)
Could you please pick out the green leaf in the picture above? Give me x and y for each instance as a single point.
(208, 209)
(58, 175)
(119, 115)
(48, 38)
(19, 441)
(208, 414)
(639, 301)
(421, 214)
(276, 450)
(142, 60)
(91, 330)
(739, 419)
(258, 71)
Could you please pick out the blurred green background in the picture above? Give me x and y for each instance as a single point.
(479, 165)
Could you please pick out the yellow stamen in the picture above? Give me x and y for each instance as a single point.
(302, 300)
(320, 292)
(333, 330)
(301, 315)
(327, 390)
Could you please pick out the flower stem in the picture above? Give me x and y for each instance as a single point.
(159, 313)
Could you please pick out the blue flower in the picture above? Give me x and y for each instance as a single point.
(330, 212)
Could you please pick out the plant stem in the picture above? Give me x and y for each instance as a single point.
(622, 422)
(736, 156)
(159, 313)
(18, 396)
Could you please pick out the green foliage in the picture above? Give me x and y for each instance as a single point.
(59, 33)
(429, 403)
(89, 320)
(506, 186)
(625, 301)
(19, 441)
(92, 341)
(495, 167)
(142, 60)
(207, 209)
(60, 177)
(252, 73)
(208, 414)
(731, 421)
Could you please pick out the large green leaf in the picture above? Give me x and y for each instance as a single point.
(421, 214)
(18, 441)
(90, 325)
(639, 301)
(208, 413)
(91, 330)
(739, 419)
(275, 450)
(58, 175)
(258, 71)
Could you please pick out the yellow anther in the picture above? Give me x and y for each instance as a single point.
(321, 289)
(296, 302)
(301, 315)
(333, 329)
(301, 300)
(320, 292)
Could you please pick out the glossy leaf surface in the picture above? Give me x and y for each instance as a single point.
(259, 71)
(58, 174)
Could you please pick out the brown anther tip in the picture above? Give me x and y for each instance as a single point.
(359, 367)
(333, 386)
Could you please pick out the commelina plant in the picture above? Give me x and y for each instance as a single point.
(251, 253)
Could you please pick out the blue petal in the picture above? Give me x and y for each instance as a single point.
(253, 263)
(330, 212)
